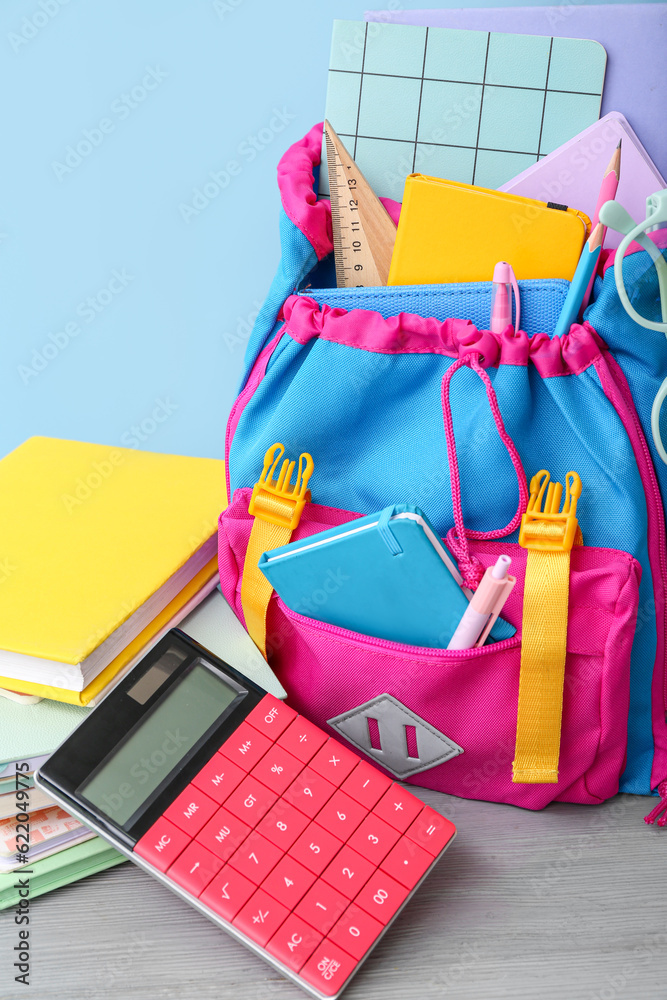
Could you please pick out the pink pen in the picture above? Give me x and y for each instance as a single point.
(485, 606)
(504, 282)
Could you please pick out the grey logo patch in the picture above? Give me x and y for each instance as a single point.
(395, 737)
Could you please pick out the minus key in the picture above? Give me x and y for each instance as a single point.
(366, 785)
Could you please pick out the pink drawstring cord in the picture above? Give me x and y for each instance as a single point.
(457, 537)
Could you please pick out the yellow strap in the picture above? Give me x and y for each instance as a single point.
(277, 507)
(255, 588)
(548, 535)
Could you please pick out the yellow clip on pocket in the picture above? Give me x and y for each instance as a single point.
(548, 535)
(276, 506)
(551, 530)
(275, 500)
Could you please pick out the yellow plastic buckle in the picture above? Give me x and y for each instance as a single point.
(274, 499)
(550, 530)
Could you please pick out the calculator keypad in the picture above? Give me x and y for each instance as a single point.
(381, 896)
(271, 717)
(398, 808)
(308, 850)
(431, 831)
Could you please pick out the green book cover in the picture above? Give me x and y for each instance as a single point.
(66, 866)
(31, 730)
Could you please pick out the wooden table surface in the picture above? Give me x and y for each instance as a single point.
(565, 904)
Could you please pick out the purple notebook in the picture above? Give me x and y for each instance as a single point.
(634, 36)
(571, 174)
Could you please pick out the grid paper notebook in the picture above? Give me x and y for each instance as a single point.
(471, 106)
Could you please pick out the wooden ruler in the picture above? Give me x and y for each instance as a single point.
(363, 231)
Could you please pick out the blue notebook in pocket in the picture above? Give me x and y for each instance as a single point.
(387, 575)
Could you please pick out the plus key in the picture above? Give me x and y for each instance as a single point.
(398, 807)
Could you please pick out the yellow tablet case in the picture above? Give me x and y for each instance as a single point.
(450, 232)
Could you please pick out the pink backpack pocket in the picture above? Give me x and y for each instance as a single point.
(469, 697)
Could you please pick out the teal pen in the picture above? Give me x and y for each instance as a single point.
(585, 270)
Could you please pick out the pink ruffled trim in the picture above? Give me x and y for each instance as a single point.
(296, 180)
(455, 338)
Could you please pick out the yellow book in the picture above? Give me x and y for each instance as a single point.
(167, 618)
(449, 232)
(96, 542)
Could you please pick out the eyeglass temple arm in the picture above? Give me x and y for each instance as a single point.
(613, 215)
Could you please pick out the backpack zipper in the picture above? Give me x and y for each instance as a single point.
(661, 534)
(400, 648)
(621, 385)
(660, 808)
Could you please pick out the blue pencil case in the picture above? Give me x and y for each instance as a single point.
(541, 301)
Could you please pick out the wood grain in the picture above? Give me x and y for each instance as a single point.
(565, 904)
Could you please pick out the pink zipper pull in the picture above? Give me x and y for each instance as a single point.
(660, 808)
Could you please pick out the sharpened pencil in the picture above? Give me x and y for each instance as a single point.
(608, 189)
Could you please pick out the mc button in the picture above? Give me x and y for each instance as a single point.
(162, 844)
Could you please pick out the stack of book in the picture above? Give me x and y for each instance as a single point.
(104, 550)
(36, 836)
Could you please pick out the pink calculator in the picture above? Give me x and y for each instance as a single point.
(276, 832)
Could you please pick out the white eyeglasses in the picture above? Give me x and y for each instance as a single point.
(642, 285)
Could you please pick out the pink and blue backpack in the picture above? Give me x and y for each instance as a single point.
(401, 395)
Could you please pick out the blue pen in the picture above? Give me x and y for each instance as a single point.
(585, 269)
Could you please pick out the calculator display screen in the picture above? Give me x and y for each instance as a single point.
(152, 751)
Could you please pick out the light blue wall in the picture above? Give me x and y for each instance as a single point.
(120, 309)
